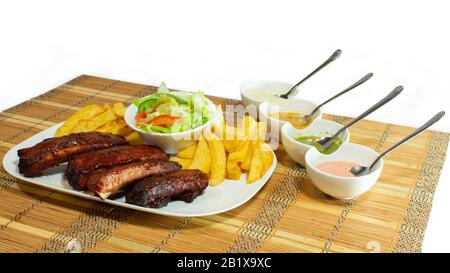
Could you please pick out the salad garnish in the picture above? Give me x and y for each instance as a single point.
(172, 112)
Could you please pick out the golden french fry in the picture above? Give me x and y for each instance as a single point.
(119, 109)
(188, 152)
(96, 122)
(245, 165)
(185, 163)
(233, 170)
(107, 127)
(231, 136)
(234, 159)
(115, 127)
(261, 131)
(134, 138)
(248, 125)
(218, 158)
(256, 166)
(232, 145)
(267, 157)
(202, 157)
(87, 112)
(121, 128)
(258, 137)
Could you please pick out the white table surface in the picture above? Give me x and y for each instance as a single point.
(215, 47)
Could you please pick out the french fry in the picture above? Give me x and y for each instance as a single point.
(256, 166)
(119, 109)
(118, 127)
(267, 157)
(185, 163)
(248, 124)
(88, 125)
(218, 158)
(134, 138)
(202, 157)
(261, 131)
(234, 159)
(256, 137)
(121, 128)
(188, 152)
(231, 136)
(233, 170)
(86, 113)
(245, 165)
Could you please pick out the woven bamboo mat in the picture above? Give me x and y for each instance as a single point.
(288, 215)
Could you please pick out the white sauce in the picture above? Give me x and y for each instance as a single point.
(266, 91)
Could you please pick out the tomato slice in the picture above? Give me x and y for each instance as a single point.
(140, 116)
(163, 120)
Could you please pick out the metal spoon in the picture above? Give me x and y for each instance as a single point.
(293, 90)
(325, 142)
(363, 170)
(304, 119)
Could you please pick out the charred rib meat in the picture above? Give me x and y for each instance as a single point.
(53, 151)
(82, 167)
(156, 192)
(107, 182)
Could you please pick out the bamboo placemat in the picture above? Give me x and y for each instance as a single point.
(288, 215)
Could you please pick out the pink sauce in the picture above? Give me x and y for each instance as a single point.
(337, 167)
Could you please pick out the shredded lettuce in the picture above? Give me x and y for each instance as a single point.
(156, 129)
(163, 88)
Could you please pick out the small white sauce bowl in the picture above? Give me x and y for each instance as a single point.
(293, 105)
(339, 187)
(251, 90)
(319, 127)
(171, 143)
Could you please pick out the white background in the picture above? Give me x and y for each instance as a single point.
(215, 46)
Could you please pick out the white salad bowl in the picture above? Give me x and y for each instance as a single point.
(171, 143)
(319, 127)
(339, 187)
(293, 105)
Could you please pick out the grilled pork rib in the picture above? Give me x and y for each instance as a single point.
(82, 167)
(157, 191)
(53, 151)
(107, 182)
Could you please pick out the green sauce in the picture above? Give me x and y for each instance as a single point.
(310, 140)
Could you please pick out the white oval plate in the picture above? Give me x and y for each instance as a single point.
(226, 196)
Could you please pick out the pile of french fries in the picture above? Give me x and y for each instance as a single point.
(95, 118)
(228, 151)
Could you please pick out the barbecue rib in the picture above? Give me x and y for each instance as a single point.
(82, 167)
(107, 182)
(157, 191)
(53, 151)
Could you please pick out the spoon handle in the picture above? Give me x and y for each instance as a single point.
(377, 105)
(293, 91)
(427, 124)
(356, 84)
